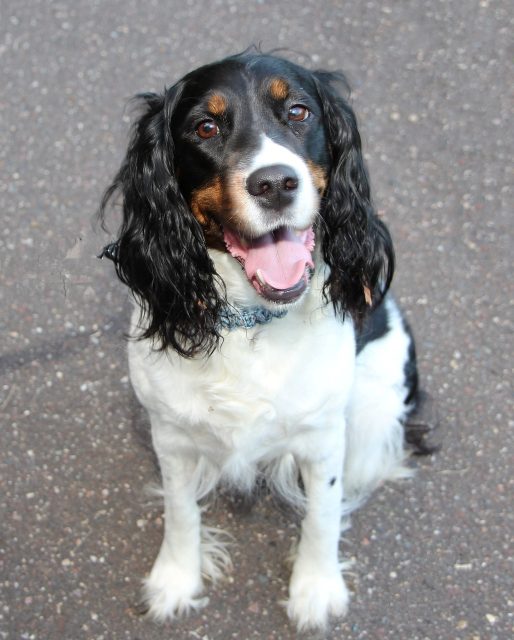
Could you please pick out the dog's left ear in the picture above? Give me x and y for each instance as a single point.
(160, 252)
(356, 245)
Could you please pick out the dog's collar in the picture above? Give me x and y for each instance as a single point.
(232, 317)
(110, 251)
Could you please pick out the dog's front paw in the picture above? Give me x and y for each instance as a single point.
(172, 590)
(314, 596)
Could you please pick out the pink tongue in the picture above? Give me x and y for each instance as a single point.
(280, 256)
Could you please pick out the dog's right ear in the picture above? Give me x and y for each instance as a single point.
(160, 251)
(355, 243)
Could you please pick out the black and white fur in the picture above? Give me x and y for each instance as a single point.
(322, 393)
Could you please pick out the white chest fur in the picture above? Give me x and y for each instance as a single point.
(265, 386)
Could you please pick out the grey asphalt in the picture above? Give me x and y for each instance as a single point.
(433, 85)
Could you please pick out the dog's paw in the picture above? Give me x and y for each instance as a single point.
(315, 596)
(172, 590)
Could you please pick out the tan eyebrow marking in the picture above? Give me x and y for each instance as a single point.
(279, 89)
(217, 104)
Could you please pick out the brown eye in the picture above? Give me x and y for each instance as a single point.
(207, 129)
(298, 113)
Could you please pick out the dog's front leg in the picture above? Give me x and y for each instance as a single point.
(317, 589)
(175, 580)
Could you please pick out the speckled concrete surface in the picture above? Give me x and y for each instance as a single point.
(433, 85)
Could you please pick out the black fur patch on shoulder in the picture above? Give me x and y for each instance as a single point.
(375, 327)
(410, 371)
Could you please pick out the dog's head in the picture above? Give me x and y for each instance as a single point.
(257, 157)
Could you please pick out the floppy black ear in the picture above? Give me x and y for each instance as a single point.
(161, 253)
(356, 245)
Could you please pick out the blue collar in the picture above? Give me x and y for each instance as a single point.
(232, 317)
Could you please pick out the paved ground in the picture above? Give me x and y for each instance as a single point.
(433, 84)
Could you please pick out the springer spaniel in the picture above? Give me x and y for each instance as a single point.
(264, 344)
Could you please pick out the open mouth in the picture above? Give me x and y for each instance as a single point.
(277, 264)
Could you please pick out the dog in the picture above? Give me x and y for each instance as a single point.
(264, 341)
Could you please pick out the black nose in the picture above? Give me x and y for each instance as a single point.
(274, 186)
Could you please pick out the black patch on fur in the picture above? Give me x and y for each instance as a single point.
(332, 482)
(410, 370)
(375, 327)
(421, 426)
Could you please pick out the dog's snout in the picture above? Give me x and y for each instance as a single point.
(274, 186)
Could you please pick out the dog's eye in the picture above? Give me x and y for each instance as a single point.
(298, 113)
(207, 129)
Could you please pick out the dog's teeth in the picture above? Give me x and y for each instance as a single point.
(260, 278)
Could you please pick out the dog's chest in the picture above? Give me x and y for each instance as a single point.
(263, 387)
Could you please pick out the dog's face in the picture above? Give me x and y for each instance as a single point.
(252, 163)
(257, 157)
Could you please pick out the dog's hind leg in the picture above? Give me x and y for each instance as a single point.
(384, 393)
